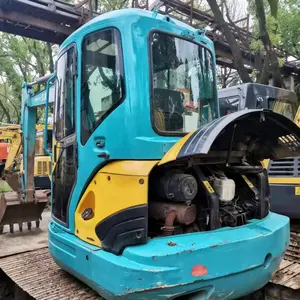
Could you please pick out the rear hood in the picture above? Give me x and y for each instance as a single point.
(254, 134)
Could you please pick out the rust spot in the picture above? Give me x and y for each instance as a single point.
(190, 250)
(199, 270)
(217, 245)
(171, 244)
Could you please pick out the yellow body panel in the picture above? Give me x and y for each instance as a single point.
(171, 155)
(297, 117)
(265, 163)
(42, 166)
(130, 167)
(117, 186)
(284, 180)
(13, 134)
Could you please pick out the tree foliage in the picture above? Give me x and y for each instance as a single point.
(21, 59)
(289, 26)
(276, 26)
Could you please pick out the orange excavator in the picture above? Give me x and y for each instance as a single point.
(4, 150)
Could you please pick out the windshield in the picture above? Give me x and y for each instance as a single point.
(285, 107)
(229, 105)
(183, 83)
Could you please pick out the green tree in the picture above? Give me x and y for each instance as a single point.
(289, 26)
(276, 26)
(21, 59)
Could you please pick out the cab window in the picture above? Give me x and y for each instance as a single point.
(102, 86)
(65, 96)
(284, 107)
(229, 105)
(183, 85)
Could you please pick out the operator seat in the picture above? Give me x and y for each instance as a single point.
(168, 109)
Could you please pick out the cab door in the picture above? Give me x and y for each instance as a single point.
(64, 139)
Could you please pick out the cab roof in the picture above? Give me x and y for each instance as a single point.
(129, 16)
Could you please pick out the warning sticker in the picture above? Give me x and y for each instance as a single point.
(208, 187)
(250, 184)
(297, 190)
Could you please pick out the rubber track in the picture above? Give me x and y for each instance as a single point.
(38, 275)
(288, 274)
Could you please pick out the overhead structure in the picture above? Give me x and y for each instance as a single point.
(53, 20)
(45, 20)
(188, 12)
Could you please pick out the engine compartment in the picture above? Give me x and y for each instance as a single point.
(185, 199)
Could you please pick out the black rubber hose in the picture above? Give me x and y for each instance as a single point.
(246, 169)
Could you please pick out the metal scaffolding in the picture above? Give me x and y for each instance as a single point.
(188, 12)
(54, 20)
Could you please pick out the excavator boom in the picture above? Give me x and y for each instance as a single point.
(27, 201)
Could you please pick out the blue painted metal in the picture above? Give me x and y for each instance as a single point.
(40, 99)
(48, 100)
(238, 261)
(28, 121)
(30, 102)
(139, 141)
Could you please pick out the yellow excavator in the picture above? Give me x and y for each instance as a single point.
(14, 165)
(13, 168)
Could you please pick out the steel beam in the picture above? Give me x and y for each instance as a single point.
(33, 33)
(33, 21)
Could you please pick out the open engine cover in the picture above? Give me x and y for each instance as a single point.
(254, 135)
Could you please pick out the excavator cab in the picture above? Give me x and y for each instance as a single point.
(148, 183)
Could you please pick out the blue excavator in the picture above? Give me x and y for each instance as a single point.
(153, 195)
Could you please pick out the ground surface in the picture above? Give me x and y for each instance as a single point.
(28, 240)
